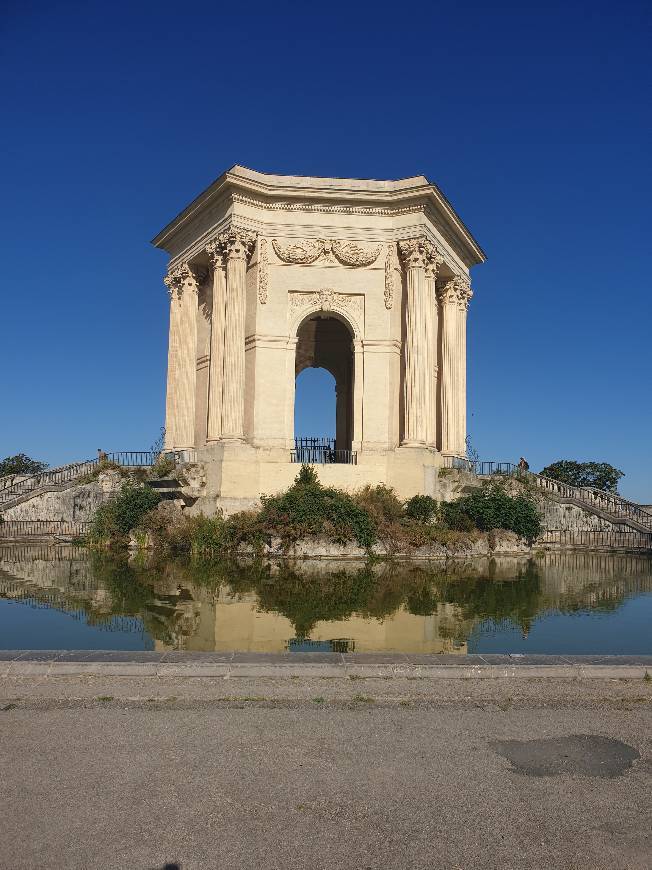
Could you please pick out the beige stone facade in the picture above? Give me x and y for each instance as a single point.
(271, 274)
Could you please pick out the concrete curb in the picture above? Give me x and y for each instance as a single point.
(25, 663)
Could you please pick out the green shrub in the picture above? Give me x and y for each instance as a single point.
(100, 468)
(380, 502)
(123, 512)
(421, 507)
(492, 508)
(308, 508)
(454, 517)
(163, 466)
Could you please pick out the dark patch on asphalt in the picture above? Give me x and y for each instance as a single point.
(583, 754)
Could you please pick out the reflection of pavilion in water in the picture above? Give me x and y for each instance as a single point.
(179, 613)
(235, 622)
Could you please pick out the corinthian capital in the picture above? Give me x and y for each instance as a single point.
(237, 243)
(464, 292)
(215, 253)
(455, 291)
(175, 279)
(416, 252)
(433, 262)
(447, 291)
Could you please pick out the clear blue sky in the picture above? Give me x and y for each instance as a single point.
(534, 120)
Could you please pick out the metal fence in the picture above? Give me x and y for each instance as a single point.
(596, 539)
(42, 528)
(321, 451)
(133, 458)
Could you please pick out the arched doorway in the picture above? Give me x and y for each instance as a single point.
(324, 341)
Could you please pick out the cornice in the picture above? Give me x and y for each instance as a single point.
(329, 195)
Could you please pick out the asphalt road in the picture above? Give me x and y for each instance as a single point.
(371, 774)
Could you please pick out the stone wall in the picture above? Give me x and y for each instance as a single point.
(76, 503)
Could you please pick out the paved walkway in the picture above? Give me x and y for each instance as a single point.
(342, 665)
(378, 768)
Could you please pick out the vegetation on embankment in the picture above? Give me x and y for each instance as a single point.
(373, 518)
(120, 514)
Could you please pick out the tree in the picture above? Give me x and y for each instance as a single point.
(597, 475)
(21, 464)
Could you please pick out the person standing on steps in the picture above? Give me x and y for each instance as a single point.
(523, 465)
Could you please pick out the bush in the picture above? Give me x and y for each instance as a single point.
(421, 507)
(492, 508)
(163, 466)
(380, 502)
(308, 508)
(123, 512)
(453, 517)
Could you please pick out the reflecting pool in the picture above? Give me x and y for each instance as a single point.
(568, 602)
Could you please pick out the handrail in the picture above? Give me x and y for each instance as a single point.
(323, 456)
(53, 476)
(66, 473)
(609, 502)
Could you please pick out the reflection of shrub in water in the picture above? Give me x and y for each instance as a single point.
(307, 598)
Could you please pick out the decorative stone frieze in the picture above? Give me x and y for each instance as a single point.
(301, 251)
(263, 271)
(392, 274)
(351, 305)
(353, 254)
(306, 251)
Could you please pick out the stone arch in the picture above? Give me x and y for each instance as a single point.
(327, 301)
(324, 339)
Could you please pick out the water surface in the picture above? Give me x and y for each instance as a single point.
(573, 603)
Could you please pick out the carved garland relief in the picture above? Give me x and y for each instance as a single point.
(305, 251)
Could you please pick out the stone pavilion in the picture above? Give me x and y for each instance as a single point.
(271, 274)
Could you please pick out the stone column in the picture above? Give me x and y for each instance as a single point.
(448, 373)
(358, 396)
(415, 254)
(171, 397)
(216, 365)
(184, 282)
(454, 295)
(237, 245)
(464, 294)
(432, 329)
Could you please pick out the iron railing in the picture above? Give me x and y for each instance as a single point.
(321, 451)
(133, 458)
(42, 528)
(596, 538)
(67, 473)
(52, 477)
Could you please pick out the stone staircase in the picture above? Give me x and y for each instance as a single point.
(64, 476)
(52, 479)
(606, 505)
